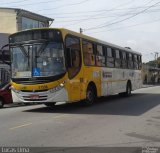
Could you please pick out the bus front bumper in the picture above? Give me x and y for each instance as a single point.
(40, 97)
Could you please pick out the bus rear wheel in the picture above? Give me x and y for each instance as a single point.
(128, 89)
(90, 95)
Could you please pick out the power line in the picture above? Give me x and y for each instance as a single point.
(82, 20)
(97, 27)
(93, 16)
(115, 21)
(101, 17)
(113, 9)
(150, 22)
(101, 10)
(96, 16)
(86, 11)
(14, 2)
(33, 3)
(71, 4)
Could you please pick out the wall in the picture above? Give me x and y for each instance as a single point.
(8, 22)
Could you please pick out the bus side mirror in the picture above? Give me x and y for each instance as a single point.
(3, 55)
(69, 57)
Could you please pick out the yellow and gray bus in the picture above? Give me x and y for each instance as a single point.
(52, 65)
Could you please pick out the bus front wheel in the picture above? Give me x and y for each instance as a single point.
(1, 103)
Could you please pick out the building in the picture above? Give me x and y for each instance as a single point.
(3, 39)
(150, 74)
(4, 73)
(13, 20)
(4, 68)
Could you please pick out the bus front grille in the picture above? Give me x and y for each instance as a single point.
(35, 98)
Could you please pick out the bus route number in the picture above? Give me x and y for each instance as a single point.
(42, 87)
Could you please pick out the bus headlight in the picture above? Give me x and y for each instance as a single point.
(62, 85)
(59, 87)
(12, 88)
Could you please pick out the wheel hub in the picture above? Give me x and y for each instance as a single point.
(90, 96)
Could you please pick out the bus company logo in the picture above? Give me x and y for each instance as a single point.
(107, 74)
(149, 150)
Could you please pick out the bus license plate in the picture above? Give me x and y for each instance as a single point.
(33, 97)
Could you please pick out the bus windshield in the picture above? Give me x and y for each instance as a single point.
(38, 60)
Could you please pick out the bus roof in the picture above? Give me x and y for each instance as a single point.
(86, 37)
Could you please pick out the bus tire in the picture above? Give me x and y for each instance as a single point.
(1, 103)
(128, 89)
(91, 95)
(50, 104)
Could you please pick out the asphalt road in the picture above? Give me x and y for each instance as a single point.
(111, 121)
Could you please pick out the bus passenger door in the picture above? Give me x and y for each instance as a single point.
(74, 66)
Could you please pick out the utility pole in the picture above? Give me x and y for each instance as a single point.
(81, 30)
(156, 59)
(155, 73)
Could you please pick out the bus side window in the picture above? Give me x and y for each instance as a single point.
(100, 55)
(139, 62)
(117, 59)
(135, 58)
(130, 60)
(124, 60)
(110, 57)
(73, 55)
(88, 53)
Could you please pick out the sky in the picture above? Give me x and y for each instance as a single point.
(127, 23)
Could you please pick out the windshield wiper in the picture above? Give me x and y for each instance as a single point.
(23, 50)
(43, 46)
